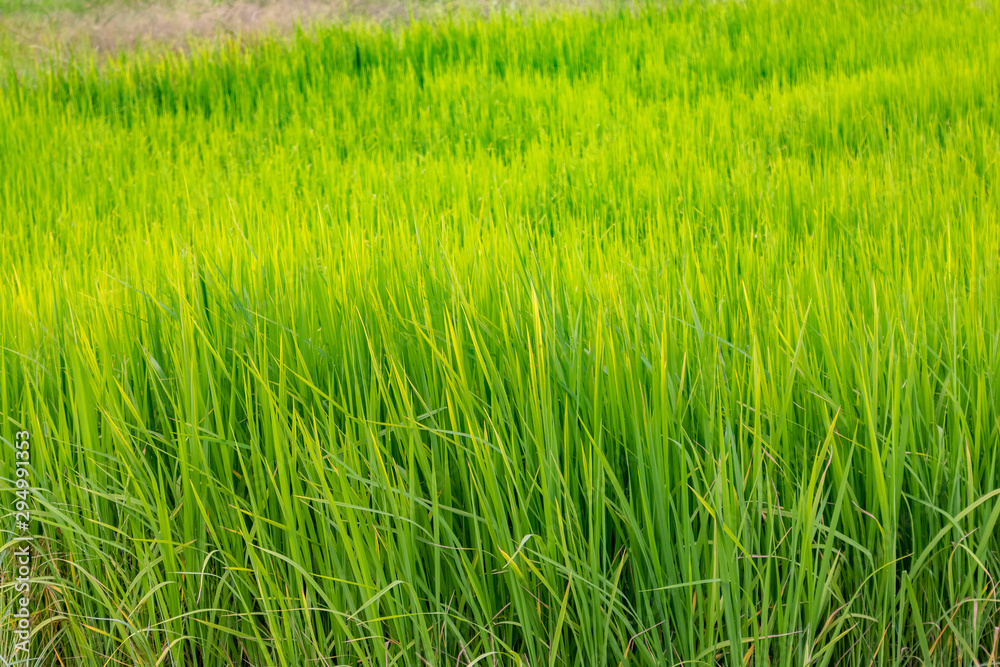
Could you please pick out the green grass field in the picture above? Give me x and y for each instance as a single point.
(662, 337)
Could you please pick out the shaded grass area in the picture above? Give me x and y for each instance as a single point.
(533, 341)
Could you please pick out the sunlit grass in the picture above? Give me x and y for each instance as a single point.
(635, 339)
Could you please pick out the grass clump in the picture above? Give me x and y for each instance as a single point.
(654, 338)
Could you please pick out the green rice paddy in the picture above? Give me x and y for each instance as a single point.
(657, 337)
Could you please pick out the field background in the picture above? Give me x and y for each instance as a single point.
(54, 30)
(667, 336)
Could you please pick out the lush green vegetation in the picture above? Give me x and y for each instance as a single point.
(646, 339)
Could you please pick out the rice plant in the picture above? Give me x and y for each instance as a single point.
(656, 337)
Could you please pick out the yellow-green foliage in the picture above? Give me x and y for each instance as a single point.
(661, 336)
